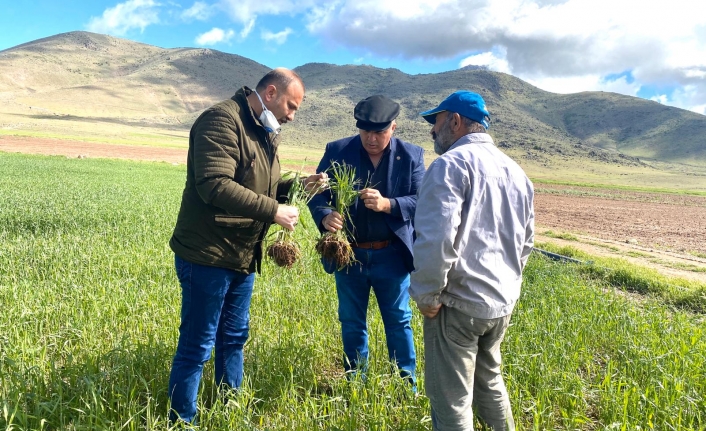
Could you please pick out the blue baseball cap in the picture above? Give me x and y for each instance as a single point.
(463, 102)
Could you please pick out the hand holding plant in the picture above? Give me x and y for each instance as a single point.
(334, 245)
(284, 249)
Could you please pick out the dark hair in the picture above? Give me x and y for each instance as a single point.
(280, 78)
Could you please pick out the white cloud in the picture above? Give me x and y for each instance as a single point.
(123, 17)
(558, 45)
(247, 28)
(214, 36)
(695, 73)
(199, 10)
(662, 98)
(692, 97)
(494, 61)
(578, 83)
(243, 11)
(246, 12)
(701, 109)
(278, 38)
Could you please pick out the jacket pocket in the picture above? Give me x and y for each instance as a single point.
(245, 171)
(236, 222)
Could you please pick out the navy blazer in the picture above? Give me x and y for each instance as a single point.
(404, 176)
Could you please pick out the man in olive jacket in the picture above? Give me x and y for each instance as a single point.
(231, 196)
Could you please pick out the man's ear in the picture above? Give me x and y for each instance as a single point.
(457, 122)
(270, 92)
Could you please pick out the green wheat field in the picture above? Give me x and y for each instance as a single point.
(89, 309)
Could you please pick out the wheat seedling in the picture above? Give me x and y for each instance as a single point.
(334, 246)
(284, 249)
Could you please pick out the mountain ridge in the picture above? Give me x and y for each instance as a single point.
(88, 75)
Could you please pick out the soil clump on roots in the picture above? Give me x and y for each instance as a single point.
(284, 253)
(336, 249)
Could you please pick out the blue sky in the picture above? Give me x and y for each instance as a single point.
(638, 48)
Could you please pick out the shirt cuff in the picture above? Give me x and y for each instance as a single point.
(424, 294)
(395, 208)
(429, 300)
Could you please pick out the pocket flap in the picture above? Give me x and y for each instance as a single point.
(233, 221)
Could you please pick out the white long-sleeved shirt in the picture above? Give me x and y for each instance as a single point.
(475, 230)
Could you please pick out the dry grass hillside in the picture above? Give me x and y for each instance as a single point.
(83, 84)
(89, 75)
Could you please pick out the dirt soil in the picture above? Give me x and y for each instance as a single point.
(652, 220)
(658, 230)
(60, 147)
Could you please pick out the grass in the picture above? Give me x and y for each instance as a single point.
(299, 159)
(618, 273)
(687, 267)
(623, 187)
(561, 235)
(638, 254)
(572, 171)
(603, 245)
(91, 303)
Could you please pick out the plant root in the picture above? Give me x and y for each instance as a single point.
(284, 253)
(335, 249)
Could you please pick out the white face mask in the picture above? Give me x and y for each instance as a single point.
(267, 118)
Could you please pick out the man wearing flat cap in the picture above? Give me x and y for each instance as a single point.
(390, 170)
(475, 232)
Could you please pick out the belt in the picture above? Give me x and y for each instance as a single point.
(372, 245)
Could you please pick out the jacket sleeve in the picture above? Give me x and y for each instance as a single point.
(436, 223)
(319, 205)
(216, 158)
(408, 204)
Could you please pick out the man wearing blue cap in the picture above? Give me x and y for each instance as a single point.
(391, 170)
(475, 231)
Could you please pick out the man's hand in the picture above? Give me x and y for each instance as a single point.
(332, 222)
(429, 311)
(316, 183)
(375, 201)
(287, 216)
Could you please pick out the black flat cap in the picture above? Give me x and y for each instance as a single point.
(375, 113)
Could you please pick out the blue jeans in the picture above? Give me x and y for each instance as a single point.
(215, 311)
(384, 271)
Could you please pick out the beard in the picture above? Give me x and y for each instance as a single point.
(444, 139)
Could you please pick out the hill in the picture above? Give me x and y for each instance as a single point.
(88, 78)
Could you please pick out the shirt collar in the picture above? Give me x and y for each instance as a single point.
(472, 138)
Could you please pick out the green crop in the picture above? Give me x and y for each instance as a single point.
(89, 315)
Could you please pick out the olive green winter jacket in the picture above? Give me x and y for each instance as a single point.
(233, 184)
